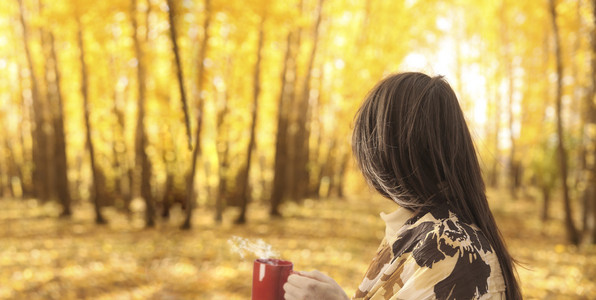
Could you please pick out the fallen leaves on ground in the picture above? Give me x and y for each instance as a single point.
(44, 257)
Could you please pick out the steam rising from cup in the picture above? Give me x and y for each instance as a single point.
(269, 274)
(258, 247)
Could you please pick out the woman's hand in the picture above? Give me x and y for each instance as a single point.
(313, 286)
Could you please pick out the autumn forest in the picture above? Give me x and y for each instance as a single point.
(183, 123)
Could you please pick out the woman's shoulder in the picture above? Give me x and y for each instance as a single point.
(442, 228)
(438, 244)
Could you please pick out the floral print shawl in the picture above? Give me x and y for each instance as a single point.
(432, 255)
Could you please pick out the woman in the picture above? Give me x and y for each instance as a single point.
(413, 146)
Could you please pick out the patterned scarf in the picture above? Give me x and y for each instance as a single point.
(434, 255)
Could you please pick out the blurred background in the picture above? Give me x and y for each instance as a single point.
(139, 137)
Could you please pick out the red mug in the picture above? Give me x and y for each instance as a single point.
(268, 278)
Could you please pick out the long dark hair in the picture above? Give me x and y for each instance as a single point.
(412, 144)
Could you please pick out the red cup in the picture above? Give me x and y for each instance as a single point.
(269, 277)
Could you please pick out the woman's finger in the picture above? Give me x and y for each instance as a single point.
(291, 292)
(300, 281)
(316, 275)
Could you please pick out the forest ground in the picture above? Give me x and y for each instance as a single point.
(42, 257)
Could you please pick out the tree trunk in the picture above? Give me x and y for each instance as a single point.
(315, 123)
(590, 191)
(576, 98)
(143, 165)
(571, 230)
(302, 136)
(60, 140)
(26, 175)
(40, 144)
(223, 147)
(119, 149)
(513, 164)
(222, 186)
(12, 169)
(244, 191)
(507, 57)
(197, 150)
(179, 73)
(327, 170)
(547, 180)
(99, 219)
(545, 203)
(170, 160)
(281, 152)
(124, 180)
(5, 177)
(291, 173)
(341, 176)
(182, 91)
(48, 111)
(167, 195)
(494, 173)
